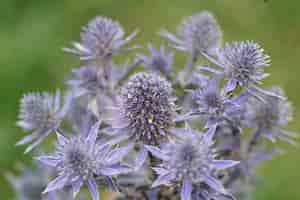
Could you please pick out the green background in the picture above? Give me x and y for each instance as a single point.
(33, 32)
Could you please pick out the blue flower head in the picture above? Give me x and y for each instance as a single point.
(197, 34)
(80, 159)
(102, 37)
(145, 112)
(268, 117)
(159, 60)
(41, 113)
(189, 162)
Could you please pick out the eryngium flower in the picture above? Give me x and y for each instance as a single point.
(102, 37)
(158, 60)
(87, 80)
(198, 33)
(145, 112)
(189, 162)
(31, 183)
(147, 108)
(213, 102)
(80, 158)
(41, 113)
(269, 116)
(243, 63)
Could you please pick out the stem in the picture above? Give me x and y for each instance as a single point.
(189, 65)
(254, 140)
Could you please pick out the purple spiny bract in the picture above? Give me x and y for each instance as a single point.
(102, 37)
(41, 113)
(158, 60)
(80, 158)
(198, 33)
(190, 161)
(270, 116)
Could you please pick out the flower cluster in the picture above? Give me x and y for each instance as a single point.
(161, 133)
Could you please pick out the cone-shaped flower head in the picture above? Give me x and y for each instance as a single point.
(190, 161)
(148, 107)
(197, 34)
(41, 113)
(102, 37)
(80, 158)
(243, 64)
(270, 116)
(158, 60)
(145, 113)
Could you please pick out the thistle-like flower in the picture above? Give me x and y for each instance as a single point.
(189, 162)
(41, 113)
(199, 33)
(159, 60)
(243, 63)
(87, 80)
(80, 158)
(212, 103)
(102, 37)
(31, 183)
(270, 116)
(146, 111)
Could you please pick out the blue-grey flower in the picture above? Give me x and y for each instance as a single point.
(213, 103)
(41, 113)
(159, 60)
(80, 158)
(197, 34)
(243, 65)
(269, 116)
(102, 37)
(145, 112)
(30, 184)
(190, 161)
(87, 80)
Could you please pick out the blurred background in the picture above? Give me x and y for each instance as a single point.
(33, 32)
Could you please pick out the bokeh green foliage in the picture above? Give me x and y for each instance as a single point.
(32, 33)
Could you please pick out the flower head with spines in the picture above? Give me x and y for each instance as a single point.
(102, 37)
(87, 80)
(270, 116)
(244, 62)
(145, 112)
(80, 159)
(190, 161)
(159, 60)
(30, 184)
(41, 113)
(198, 33)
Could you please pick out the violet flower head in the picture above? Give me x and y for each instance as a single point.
(269, 117)
(212, 103)
(145, 112)
(158, 60)
(243, 63)
(41, 113)
(102, 37)
(147, 107)
(80, 158)
(197, 34)
(87, 80)
(211, 99)
(31, 183)
(189, 162)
